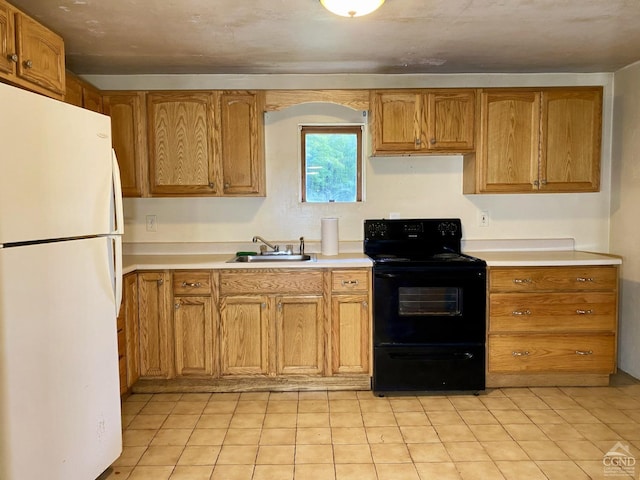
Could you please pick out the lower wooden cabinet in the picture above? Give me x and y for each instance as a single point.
(230, 325)
(156, 360)
(552, 325)
(350, 320)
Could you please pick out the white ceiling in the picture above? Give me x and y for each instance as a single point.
(300, 36)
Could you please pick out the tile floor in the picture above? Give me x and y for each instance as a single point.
(511, 433)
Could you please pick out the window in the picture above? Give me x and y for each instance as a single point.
(331, 163)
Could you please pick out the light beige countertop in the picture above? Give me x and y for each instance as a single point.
(545, 258)
(131, 263)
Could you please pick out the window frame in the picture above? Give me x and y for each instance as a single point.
(341, 129)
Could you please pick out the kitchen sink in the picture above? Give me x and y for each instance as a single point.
(272, 258)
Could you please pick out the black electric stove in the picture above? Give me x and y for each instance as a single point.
(429, 302)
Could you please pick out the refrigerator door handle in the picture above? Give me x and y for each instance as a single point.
(117, 195)
(117, 269)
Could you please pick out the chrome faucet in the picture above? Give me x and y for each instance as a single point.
(275, 248)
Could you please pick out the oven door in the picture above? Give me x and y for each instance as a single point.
(429, 305)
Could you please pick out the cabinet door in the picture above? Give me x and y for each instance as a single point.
(571, 136)
(131, 326)
(241, 145)
(351, 338)
(193, 333)
(244, 335)
(451, 120)
(397, 121)
(508, 155)
(299, 335)
(91, 99)
(126, 110)
(7, 39)
(41, 55)
(73, 90)
(155, 348)
(180, 131)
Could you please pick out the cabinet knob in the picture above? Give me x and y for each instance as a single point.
(521, 312)
(28, 64)
(227, 185)
(263, 305)
(160, 281)
(543, 181)
(520, 354)
(584, 352)
(365, 304)
(176, 305)
(432, 141)
(210, 184)
(418, 142)
(13, 57)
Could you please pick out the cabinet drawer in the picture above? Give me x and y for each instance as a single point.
(261, 282)
(533, 279)
(552, 312)
(551, 353)
(191, 283)
(349, 280)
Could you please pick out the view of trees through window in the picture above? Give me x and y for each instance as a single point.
(332, 164)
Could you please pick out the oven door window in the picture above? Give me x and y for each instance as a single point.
(429, 301)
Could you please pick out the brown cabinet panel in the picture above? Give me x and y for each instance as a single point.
(73, 93)
(241, 143)
(351, 338)
(132, 327)
(181, 155)
(531, 279)
(92, 99)
(7, 39)
(128, 121)
(40, 55)
(155, 347)
(193, 333)
(344, 281)
(557, 353)
(244, 335)
(570, 154)
(299, 335)
(423, 121)
(552, 312)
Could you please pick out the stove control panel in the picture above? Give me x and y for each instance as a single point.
(412, 229)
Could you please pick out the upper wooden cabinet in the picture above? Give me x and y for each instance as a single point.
(32, 55)
(205, 143)
(423, 121)
(82, 94)
(128, 122)
(544, 140)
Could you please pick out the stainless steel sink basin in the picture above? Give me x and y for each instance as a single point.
(272, 258)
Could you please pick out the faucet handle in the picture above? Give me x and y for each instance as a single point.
(263, 248)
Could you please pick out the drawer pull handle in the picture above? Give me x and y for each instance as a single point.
(346, 283)
(584, 279)
(520, 354)
(521, 312)
(521, 280)
(584, 312)
(191, 284)
(584, 352)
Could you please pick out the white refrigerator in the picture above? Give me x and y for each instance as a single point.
(60, 289)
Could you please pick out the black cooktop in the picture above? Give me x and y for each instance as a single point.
(415, 242)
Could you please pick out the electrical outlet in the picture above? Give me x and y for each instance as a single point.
(152, 223)
(483, 218)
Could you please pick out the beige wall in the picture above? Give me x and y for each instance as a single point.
(625, 219)
(410, 186)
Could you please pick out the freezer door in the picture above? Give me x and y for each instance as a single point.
(56, 169)
(59, 385)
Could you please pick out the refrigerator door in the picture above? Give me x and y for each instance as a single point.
(56, 168)
(59, 396)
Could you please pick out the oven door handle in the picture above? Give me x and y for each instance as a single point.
(432, 356)
(386, 275)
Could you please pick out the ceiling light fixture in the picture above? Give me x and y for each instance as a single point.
(351, 8)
